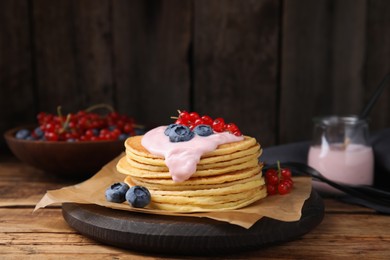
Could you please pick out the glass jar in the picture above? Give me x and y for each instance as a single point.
(341, 152)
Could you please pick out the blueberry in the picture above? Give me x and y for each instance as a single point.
(203, 130)
(22, 134)
(138, 196)
(180, 133)
(169, 128)
(117, 192)
(95, 131)
(38, 132)
(123, 137)
(139, 131)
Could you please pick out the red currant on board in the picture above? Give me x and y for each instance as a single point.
(285, 172)
(272, 189)
(283, 188)
(278, 180)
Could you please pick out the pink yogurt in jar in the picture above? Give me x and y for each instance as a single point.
(351, 164)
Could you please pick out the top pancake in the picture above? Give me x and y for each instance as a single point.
(136, 151)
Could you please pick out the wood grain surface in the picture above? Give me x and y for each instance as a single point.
(347, 231)
(268, 65)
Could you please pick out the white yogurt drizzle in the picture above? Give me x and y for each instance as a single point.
(181, 158)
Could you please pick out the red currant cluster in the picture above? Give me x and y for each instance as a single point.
(192, 119)
(83, 126)
(278, 180)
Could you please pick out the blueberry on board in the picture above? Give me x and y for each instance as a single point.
(22, 134)
(180, 133)
(138, 196)
(117, 192)
(169, 128)
(203, 130)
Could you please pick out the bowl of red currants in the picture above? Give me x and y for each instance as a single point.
(73, 146)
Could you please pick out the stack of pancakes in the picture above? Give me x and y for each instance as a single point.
(227, 178)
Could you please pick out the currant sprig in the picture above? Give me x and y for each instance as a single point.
(278, 180)
(193, 119)
(85, 125)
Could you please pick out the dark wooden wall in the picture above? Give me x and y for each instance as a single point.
(268, 65)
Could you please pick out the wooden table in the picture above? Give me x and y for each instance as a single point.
(346, 231)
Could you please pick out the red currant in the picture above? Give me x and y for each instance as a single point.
(51, 136)
(283, 188)
(185, 117)
(271, 189)
(194, 116)
(198, 121)
(218, 125)
(289, 182)
(207, 120)
(180, 121)
(231, 127)
(285, 172)
(270, 172)
(237, 133)
(279, 180)
(85, 126)
(273, 180)
(128, 128)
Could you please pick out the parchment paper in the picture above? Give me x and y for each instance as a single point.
(92, 191)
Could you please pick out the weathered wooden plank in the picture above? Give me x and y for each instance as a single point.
(348, 56)
(322, 62)
(34, 183)
(17, 103)
(151, 70)
(378, 60)
(236, 64)
(46, 234)
(73, 46)
(17, 220)
(93, 41)
(54, 52)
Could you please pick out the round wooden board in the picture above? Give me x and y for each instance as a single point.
(186, 235)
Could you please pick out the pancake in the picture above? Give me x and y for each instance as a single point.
(134, 146)
(206, 190)
(260, 194)
(124, 167)
(132, 182)
(200, 166)
(228, 177)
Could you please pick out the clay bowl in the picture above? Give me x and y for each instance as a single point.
(67, 159)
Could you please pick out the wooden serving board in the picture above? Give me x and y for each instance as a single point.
(186, 235)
